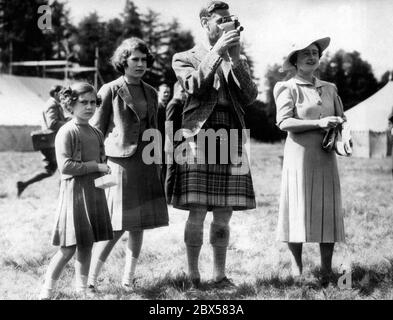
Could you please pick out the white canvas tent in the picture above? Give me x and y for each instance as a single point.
(22, 100)
(369, 124)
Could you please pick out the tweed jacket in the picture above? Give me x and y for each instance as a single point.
(53, 115)
(69, 152)
(196, 71)
(118, 120)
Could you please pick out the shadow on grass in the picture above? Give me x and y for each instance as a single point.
(368, 278)
(307, 280)
(26, 265)
(157, 289)
(312, 285)
(365, 279)
(317, 280)
(163, 288)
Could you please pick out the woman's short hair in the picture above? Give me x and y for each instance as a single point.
(70, 94)
(125, 50)
(293, 58)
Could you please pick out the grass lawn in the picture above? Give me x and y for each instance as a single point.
(257, 263)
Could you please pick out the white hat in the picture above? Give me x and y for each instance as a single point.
(323, 43)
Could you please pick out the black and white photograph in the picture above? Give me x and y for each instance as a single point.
(219, 151)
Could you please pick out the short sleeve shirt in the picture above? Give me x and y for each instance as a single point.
(300, 99)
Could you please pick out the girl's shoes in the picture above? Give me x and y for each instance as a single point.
(92, 288)
(80, 290)
(128, 283)
(92, 285)
(46, 294)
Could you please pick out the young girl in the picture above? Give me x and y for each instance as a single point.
(82, 215)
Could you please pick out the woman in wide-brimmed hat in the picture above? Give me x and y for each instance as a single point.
(310, 202)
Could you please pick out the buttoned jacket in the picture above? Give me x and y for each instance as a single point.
(117, 117)
(300, 99)
(53, 115)
(68, 147)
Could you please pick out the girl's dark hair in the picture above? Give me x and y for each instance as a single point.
(293, 58)
(55, 89)
(125, 50)
(70, 94)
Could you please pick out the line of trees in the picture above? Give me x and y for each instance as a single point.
(352, 75)
(77, 43)
(18, 26)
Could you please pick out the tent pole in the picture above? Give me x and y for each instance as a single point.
(96, 70)
(66, 71)
(11, 58)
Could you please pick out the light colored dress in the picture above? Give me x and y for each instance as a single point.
(310, 202)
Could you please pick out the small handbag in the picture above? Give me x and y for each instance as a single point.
(43, 139)
(333, 140)
(329, 139)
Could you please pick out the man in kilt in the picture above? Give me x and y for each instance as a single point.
(218, 84)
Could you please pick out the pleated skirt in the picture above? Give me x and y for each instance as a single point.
(225, 183)
(138, 201)
(82, 215)
(310, 207)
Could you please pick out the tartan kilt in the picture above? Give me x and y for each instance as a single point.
(224, 183)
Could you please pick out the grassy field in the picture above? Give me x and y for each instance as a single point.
(256, 262)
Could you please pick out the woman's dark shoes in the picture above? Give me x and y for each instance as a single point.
(325, 280)
(20, 186)
(91, 288)
(195, 283)
(224, 283)
(327, 277)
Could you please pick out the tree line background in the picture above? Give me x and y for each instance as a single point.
(77, 43)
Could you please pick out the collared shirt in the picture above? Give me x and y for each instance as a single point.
(301, 99)
(53, 115)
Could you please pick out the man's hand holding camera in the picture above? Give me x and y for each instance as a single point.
(227, 40)
(229, 43)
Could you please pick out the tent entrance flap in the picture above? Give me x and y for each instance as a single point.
(371, 144)
(369, 124)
